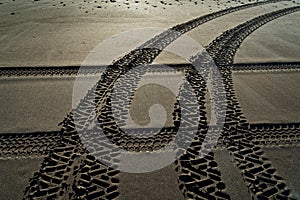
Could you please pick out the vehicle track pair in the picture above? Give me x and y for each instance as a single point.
(261, 178)
(236, 130)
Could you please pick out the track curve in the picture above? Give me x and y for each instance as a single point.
(261, 178)
(71, 158)
(224, 47)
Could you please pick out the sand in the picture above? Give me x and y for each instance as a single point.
(34, 104)
(15, 175)
(59, 33)
(268, 97)
(283, 46)
(63, 33)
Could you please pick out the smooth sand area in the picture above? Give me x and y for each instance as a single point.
(159, 184)
(268, 97)
(15, 175)
(34, 104)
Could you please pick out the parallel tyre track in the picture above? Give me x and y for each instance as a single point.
(224, 47)
(71, 148)
(261, 178)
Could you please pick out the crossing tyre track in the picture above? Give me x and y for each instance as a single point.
(145, 56)
(68, 170)
(27, 145)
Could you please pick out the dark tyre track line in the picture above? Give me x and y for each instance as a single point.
(17, 145)
(145, 57)
(285, 66)
(261, 178)
(71, 168)
(224, 47)
(26, 145)
(73, 70)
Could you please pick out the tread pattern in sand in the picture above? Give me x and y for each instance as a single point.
(70, 172)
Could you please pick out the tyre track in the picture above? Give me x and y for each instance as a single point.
(198, 176)
(46, 71)
(73, 70)
(224, 47)
(293, 66)
(71, 149)
(28, 145)
(70, 172)
(17, 145)
(261, 178)
(275, 134)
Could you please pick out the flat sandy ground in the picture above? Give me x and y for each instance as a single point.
(63, 32)
(59, 33)
(51, 34)
(15, 175)
(269, 97)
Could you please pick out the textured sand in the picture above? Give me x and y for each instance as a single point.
(277, 41)
(35, 33)
(43, 33)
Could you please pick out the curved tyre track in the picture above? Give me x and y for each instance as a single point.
(198, 175)
(224, 47)
(263, 182)
(137, 56)
(261, 178)
(69, 171)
